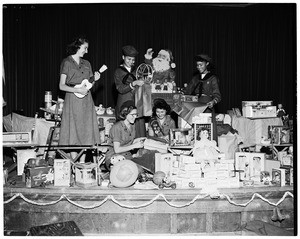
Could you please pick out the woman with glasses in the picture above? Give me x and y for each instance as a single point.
(125, 142)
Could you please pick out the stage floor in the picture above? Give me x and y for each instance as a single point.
(103, 210)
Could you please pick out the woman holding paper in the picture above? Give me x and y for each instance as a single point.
(125, 143)
(79, 124)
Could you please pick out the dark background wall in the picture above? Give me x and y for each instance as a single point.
(253, 47)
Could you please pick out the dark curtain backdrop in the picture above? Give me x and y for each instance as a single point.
(253, 47)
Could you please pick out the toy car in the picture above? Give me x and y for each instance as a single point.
(170, 184)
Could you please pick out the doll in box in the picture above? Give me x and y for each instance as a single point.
(205, 149)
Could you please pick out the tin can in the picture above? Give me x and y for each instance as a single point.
(5, 176)
(48, 99)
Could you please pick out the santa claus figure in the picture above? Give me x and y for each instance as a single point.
(163, 66)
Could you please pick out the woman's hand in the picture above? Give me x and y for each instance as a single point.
(97, 75)
(210, 104)
(82, 90)
(138, 144)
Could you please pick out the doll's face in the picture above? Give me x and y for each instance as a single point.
(204, 134)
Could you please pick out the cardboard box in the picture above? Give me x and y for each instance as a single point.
(62, 172)
(258, 109)
(288, 175)
(287, 160)
(270, 164)
(251, 163)
(279, 134)
(17, 138)
(190, 167)
(35, 177)
(278, 177)
(184, 159)
(164, 162)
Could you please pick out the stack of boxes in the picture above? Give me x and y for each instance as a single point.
(256, 167)
(187, 173)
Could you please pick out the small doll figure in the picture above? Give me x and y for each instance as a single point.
(158, 86)
(165, 85)
(280, 112)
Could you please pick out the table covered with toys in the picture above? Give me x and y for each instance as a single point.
(194, 179)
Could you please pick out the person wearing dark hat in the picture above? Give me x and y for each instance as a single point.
(126, 84)
(205, 84)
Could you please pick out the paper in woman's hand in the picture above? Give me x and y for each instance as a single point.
(139, 139)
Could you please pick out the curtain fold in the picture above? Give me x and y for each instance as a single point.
(253, 47)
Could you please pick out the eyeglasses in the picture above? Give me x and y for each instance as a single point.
(135, 115)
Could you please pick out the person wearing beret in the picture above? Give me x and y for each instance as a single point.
(126, 84)
(205, 84)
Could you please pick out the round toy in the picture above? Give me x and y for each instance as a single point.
(145, 72)
(123, 174)
(158, 177)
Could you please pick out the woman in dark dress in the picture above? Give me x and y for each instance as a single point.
(79, 121)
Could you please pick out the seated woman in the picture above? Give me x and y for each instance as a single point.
(161, 121)
(122, 135)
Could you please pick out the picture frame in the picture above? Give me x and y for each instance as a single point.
(278, 134)
(198, 127)
(181, 137)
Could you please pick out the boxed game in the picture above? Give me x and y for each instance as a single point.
(251, 164)
(38, 176)
(164, 162)
(16, 138)
(278, 176)
(62, 172)
(270, 164)
(258, 109)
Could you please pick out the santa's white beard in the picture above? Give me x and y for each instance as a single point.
(160, 64)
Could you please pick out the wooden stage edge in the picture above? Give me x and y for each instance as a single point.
(135, 211)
